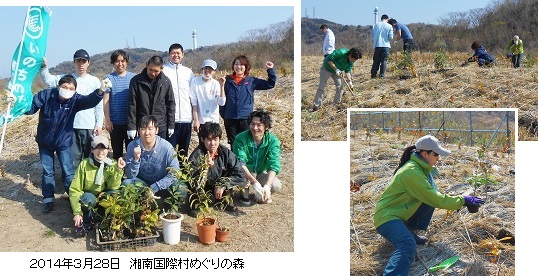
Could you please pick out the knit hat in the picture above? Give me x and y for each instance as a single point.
(429, 142)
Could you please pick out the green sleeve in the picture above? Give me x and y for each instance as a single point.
(76, 189)
(114, 179)
(274, 155)
(417, 185)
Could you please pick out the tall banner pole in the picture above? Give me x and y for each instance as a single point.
(26, 64)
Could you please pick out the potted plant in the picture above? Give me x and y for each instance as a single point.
(171, 218)
(222, 232)
(127, 214)
(194, 179)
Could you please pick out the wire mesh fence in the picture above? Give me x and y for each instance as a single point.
(472, 128)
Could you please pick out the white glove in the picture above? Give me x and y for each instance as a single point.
(131, 134)
(106, 85)
(338, 72)
(267, 193)
(170, 132)
(351, 85)
(259, 192)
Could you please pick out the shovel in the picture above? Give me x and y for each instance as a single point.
(445, 264)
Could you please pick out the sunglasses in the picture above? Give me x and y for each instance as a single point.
(435, 154)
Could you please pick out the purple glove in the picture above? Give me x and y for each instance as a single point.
(472, 201)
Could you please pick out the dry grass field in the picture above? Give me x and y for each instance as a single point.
(424, 86)
(26, 229)
(474, 237)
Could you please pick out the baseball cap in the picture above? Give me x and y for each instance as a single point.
(81, 54)
(429, 142)
(100, 139)
(211, 63)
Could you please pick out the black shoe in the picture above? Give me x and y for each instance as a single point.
(245, 201)
(314, 108)
(231, 208)
(49, 207)
(193, 213)
(419, 240)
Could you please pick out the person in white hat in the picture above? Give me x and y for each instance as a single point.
(95, 174)
(515, 50)
(408, 202)
(207, 94)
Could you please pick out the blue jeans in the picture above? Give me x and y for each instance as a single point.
(379, 61)
(397, 232)
(181, 137)
(408, 45)
(516, 60)
(47, 163)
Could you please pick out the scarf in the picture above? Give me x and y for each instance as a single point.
(101, 167)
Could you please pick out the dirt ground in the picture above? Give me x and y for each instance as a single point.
(451, 87)
(474, 237)
(256, 228)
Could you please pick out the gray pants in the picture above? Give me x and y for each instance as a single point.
(324, 77)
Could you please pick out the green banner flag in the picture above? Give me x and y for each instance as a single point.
(27, 60)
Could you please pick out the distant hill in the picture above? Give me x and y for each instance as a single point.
(493, 26)
(274, 43)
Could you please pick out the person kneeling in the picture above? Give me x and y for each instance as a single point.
(148, 158)
(225, 171)
(94, 175)
(259, 152)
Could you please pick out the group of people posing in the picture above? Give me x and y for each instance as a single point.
(338, 63)
(152, 114)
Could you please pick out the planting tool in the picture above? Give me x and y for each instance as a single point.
(347, 85)
(445, 264)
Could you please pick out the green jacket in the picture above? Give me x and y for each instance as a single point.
(409, 188)
(513, 48)
(83, 182)
(340, 59)
(265, 157)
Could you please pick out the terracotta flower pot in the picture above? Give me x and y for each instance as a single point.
(222, 234)
(206, 229)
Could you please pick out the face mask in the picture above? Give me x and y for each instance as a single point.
(66, 94)
(206, 77)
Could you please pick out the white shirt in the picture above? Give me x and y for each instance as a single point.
(329, 43)
(207, 97)
(84, 119)
(180, 77)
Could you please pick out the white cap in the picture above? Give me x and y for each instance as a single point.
(515, 39)
(211, 63)
(429, 142)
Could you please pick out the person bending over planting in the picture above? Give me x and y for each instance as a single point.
(408, 202)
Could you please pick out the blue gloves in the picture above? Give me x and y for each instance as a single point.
(472, 201)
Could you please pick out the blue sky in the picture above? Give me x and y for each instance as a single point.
(353, 12)
(102, 29)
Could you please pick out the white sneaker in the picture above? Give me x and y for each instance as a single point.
(64, 196)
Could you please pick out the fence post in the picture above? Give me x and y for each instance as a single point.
(496, 132)
(508, 131)
(471, 130)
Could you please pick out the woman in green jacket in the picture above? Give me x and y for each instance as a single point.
(259, 153)
(409, 201)
(94, 175)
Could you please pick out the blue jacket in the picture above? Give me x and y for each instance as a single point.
(481, 53)
(55, 127)
(240, 99)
